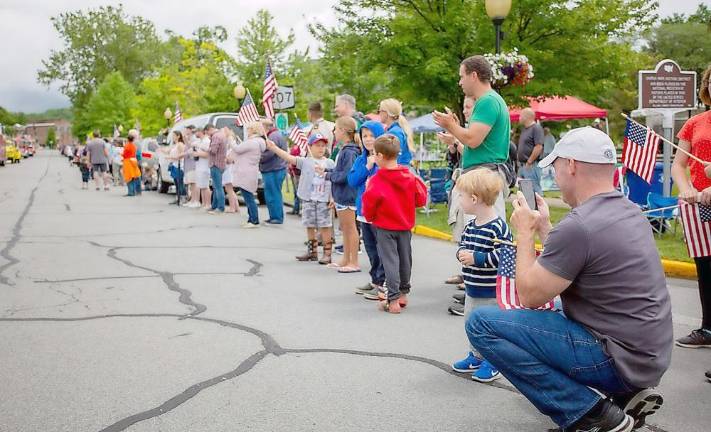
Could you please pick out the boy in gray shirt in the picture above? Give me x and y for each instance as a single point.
(99, 158)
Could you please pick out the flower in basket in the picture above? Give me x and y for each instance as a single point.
(509, 68)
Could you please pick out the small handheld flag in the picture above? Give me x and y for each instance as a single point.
(696, 219)
(640, 150)
(506, 294)
(270, 89)
(247, 112)
(298, 137)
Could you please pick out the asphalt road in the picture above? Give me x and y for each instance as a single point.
(130, 314)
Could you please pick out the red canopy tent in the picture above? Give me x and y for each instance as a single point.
(561, 109)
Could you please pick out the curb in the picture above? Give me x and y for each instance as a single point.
(676, 269)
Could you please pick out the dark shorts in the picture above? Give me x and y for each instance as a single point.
(100, 168)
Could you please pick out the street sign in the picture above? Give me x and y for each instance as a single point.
(281, 121)
(667, 86)
(284, 98)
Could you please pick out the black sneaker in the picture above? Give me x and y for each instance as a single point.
(610, 419)
(640, 405)
(696, 339)
(458, 297)
(708, 375)
(338, 249)
(456, 309)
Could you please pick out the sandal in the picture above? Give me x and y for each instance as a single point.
(349, 269)
(333, 265)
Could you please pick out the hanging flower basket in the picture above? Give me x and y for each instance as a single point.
(509, 68)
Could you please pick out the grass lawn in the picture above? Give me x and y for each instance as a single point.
(671, 246)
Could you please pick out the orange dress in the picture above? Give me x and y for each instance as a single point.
(130, 163)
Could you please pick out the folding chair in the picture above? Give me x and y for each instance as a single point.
(659, 219)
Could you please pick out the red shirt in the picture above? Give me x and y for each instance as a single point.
(697, 131)
(391, 197)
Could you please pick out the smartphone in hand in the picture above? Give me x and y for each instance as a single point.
(526, 187)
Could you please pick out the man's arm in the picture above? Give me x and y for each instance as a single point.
(538, 137)
(472, 136)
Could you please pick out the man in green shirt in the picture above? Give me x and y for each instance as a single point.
(486, 140)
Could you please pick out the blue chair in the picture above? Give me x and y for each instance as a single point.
(659, 219)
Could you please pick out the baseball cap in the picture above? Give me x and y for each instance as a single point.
(317, 137)
(585, 144)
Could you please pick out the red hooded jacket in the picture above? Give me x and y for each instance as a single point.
(391, 197)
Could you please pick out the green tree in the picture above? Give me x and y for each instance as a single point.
(96, 43)
(111, 104)
(258, 41)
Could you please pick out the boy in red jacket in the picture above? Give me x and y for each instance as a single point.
(389, 202)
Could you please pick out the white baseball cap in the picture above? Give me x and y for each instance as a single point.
(585, 144)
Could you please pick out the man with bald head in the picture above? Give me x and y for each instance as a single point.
(530, 148)
(601, 259)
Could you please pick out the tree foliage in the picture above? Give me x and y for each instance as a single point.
(110, 105)
(96, 43)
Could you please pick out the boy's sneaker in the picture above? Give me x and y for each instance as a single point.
(456, 309)
(700, 338)
(640, 405)
(375, 294)
(468, 364)
(338, 249)
(365, 289)
(458, 297)
(486, 373)
(608, 418)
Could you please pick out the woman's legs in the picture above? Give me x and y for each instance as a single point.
(233, 206)
(350, 238)
(206, 198)
(252, 209)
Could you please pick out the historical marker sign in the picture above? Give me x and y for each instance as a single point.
(667, 87)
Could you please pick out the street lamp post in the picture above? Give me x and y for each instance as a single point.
(498, 10)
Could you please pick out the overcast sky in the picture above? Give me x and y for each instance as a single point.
(27, 34)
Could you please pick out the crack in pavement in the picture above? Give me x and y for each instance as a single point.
(16, 233)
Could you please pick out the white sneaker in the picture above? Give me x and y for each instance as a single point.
(249, 225)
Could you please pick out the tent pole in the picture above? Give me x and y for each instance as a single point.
(607, 126)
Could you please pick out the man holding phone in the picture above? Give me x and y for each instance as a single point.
(616, 335)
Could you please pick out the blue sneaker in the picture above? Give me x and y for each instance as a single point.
(486, 373)
(467, 365)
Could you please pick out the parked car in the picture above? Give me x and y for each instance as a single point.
(219, 120)
(13, 154)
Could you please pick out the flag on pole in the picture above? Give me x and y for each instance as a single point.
(298, 137)
(696, 219)
(178, 115)
(247, 112)
(270, 89)
(506, 294)
(640, 150)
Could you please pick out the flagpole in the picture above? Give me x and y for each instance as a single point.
(703, 162)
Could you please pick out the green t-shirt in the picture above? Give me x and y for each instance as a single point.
(491, 110)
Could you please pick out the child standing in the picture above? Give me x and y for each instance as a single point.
(314, 191)
(479, 254)
(389, 202)
(363, 168)
(85, 168)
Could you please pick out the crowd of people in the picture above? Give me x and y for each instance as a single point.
(590, 362)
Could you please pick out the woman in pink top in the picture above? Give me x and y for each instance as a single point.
(246, 169)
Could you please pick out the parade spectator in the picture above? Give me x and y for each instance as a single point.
(548, 142)
(389, 203)
(486, 139)
(315, 194)
(479, 254)
(363, 168)
(530, 147)
(189, 165)
(175, 155)
(246, 170)
(217, 155)
(117, 161)
(131, 173)
(344, 195)
(390, 111)
(85, 169)
(345, 107)
(615, 341)
(99, 157)
(695, 187)
(202, 167)
(228, 174)
(273, 170)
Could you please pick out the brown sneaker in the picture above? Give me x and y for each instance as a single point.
(699, 338)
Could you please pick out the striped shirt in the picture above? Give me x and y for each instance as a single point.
(481, 276)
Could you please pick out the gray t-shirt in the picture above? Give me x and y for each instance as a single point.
(96, 148)
(311, 186)
(530, 136)
(619, 293)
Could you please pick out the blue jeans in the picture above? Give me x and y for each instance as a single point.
(218, 192)
(533, 173)
(273, 181)
(131, 186)
(377, 273)
(252, 209)
(550, 359)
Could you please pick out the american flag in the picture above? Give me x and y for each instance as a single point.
(696, 219)
(270, 89)
(298, 137)
(247, 112)
(640, 150)
(506, 294)
(178, 114)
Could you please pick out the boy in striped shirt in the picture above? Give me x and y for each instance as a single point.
(479, 254)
